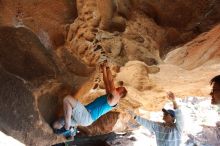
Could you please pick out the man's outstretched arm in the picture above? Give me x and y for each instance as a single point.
(172, 98)
(178, 112)
(150, 125)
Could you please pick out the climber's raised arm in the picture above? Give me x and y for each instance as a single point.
(110, 80)
(107, 78)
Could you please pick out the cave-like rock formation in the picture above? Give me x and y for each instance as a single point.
(49, 49)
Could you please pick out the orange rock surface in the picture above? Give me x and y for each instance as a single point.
(49, 49)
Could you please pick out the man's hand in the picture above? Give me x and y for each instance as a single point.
(171, 96)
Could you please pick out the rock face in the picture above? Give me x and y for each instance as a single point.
(45, 18)
(22, 54)
(205, 49)
(183, 20)
(19, 114)
(49, 49)
(135, 74)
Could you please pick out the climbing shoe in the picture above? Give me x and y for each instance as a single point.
(66, 133)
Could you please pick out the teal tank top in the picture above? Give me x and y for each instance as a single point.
(99, 107)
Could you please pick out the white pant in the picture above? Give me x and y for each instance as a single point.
(80, 116)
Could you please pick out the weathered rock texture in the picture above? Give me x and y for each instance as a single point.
(49, 49)
(205, 49)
